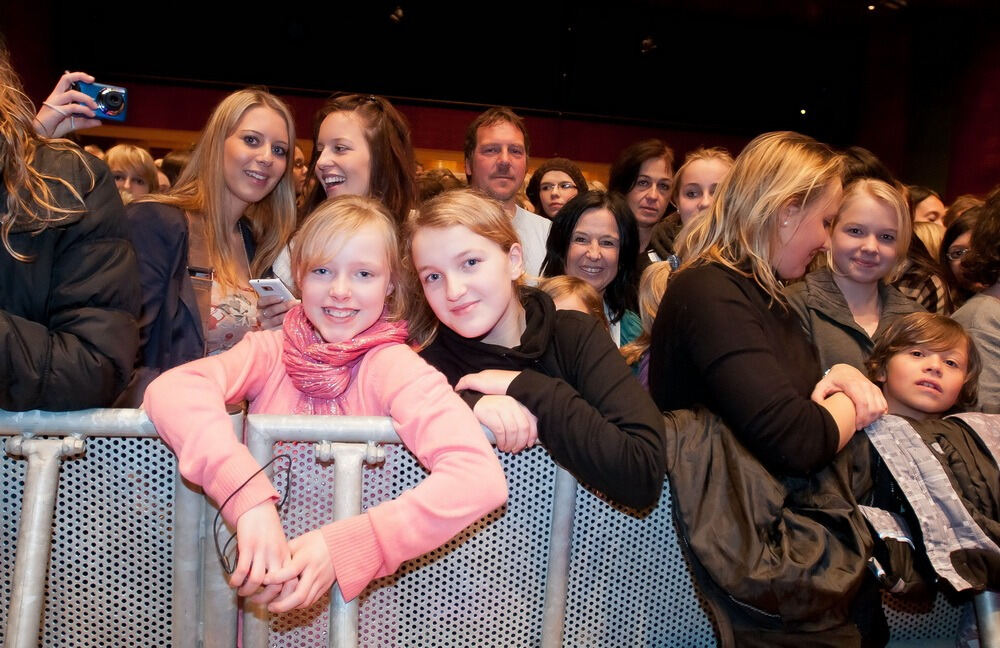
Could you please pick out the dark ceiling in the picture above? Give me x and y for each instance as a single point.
(718, 65)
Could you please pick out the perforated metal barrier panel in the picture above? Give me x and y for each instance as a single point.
(109, 579)
(109, 573)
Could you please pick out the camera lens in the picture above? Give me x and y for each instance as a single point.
(111, 101)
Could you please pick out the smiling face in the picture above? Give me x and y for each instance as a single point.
(701, 178)
(468, 281)
(593, 249)
(255, 156)
(921, 381)
(345, 295)
(499, 161)
(344, 164)
(803, 232)
(650, 194)
(554, 191)
(864, 240)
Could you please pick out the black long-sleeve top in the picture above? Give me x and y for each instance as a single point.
(719, 342)
(594, 418)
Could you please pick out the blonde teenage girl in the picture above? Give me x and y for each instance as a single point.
(847, 305)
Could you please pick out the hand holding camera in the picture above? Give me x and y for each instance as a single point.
(76, 103)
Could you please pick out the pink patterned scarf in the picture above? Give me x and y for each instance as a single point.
(322, 370)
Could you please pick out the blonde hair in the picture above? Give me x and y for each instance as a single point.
(201, 190)
(567, 286)
(892, 198)
(334, 222)
(931, 235)
(135, 160)
(30, 197)
(652, 285)
(469, 208)
(702, 153)
(738, 231)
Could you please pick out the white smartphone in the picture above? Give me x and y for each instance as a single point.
(270, 287)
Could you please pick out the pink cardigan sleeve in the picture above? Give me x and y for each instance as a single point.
(188, 407)
(465, 483)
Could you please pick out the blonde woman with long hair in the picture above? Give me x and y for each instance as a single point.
(68, 295)
(224, 222)
(724, 339)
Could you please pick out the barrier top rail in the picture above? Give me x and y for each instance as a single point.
(81, 423)
(134, 423)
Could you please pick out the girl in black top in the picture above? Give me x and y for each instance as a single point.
(530, 372)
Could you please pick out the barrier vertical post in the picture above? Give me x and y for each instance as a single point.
(560, 544)
(987, 605)
(34, 536)
(256, 618)
(189, 506)
(219, 601)
(348, 459)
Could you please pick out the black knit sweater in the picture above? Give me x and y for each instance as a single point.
(594, 418)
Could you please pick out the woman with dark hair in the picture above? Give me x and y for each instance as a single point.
(925, 205)
(954, 246)
(981, 314)
(553, 184)
(644, 174)
(363, 148)
(595, 238)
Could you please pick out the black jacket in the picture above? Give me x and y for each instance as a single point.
(720, 343)
(594, 418)
(170, 329)
(68, 333)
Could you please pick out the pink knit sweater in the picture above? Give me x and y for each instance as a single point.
(186, 404)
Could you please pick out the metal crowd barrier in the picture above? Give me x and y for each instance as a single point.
(556, 566)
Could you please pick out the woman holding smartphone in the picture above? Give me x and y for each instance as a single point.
(224, 222)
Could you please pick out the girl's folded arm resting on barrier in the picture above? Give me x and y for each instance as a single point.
(444, 435)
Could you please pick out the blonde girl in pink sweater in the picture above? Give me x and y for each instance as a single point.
(341, 351)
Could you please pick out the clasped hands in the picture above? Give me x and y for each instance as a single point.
(284, 574)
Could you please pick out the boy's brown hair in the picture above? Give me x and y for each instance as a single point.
(934, 331)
